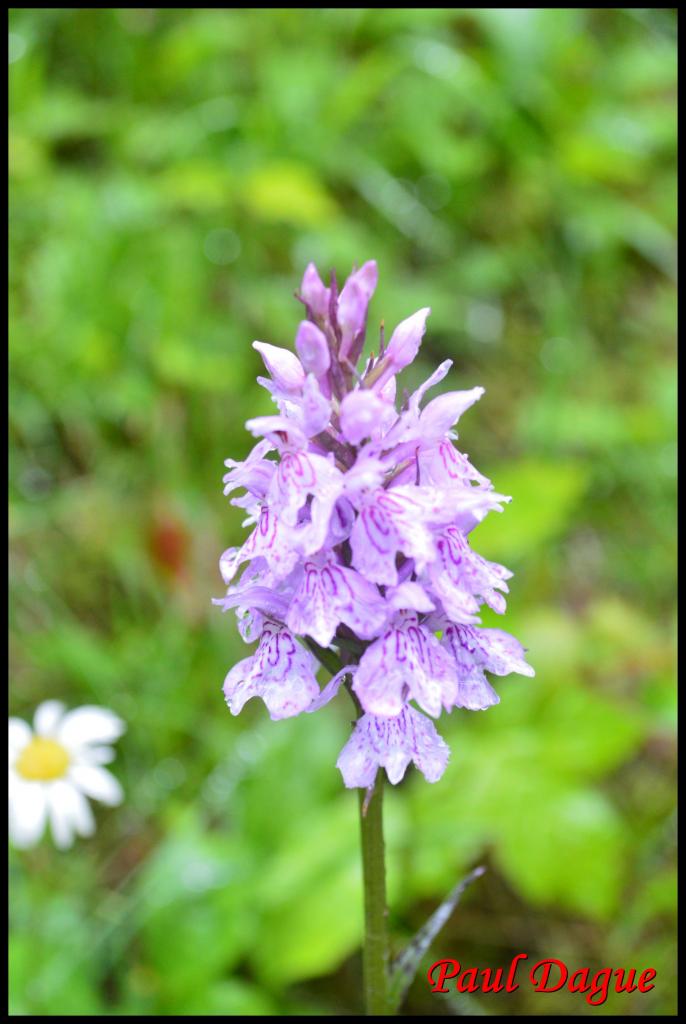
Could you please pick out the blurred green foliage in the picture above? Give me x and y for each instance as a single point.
(172, 171)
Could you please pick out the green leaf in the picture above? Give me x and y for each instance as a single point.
(288, 192)
(528, 762)
(544, 497)
(584, 735)
(578, 858)
(231, 997)
(55, 959)
(406, 965)
(311, 898)
(197, 915)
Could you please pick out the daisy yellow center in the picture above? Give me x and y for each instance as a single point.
(42, 760)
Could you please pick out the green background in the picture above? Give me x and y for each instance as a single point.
(172, 172)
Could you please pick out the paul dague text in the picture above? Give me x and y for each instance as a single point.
(544, 976)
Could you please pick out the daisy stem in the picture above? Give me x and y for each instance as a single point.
(375, 954)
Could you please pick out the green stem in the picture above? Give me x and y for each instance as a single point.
(376, 980)
(375, 955)
(325, 656)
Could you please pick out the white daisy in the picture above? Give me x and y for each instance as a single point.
(55, 766)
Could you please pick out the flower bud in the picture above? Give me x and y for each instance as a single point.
(313, 349)
(283, 366)
(364, 414)
(353, 302)
(313, 292)
(406, 339)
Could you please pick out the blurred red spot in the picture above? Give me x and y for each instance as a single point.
(168, 542)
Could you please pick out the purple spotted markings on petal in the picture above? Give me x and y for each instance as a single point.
(479, 650)
(392, 743)
(407, 663)
(458, 569)
(330, 594)
(389, 522)
(281, 672)
(269, 540)
(360, 507)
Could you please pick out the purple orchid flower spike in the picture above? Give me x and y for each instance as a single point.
(360, 508)
(359, 555)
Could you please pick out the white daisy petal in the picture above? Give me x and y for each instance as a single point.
(82, 815)
(19, 734)
(27, 812)
(54, 784)
(97, 783)
(47, 717)
(94, 755)
(60, 824)
(90, 724)
(69, 813)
